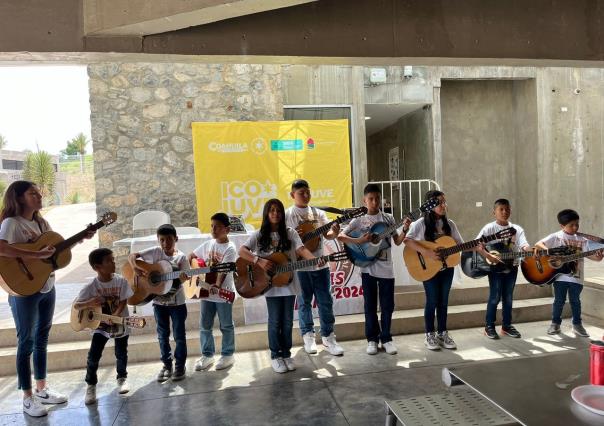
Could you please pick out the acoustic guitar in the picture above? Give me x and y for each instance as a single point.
(476, 266)
(24, 277)
(365, 254)
(422, 268)
(252, 281)
(159, 279)
(311, 235)
(201, 286)
(546, 269)
(90, 319)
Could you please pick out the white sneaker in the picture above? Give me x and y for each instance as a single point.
(225, 361)
(33, 407)
(279, 365)
(90, 397)
(372, 348)
(332, 346)
(390, 348)
(446, 341)
(289, 363)
(47, 396)
(431, 342)
(122, 386)
(204, 363)
(310, 343)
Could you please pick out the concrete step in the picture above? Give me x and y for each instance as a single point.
(144, 347)
(408, 297)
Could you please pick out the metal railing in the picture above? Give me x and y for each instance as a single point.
(404, 195)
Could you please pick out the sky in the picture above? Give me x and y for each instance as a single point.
(47, 105)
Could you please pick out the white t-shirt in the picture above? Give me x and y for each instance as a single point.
(294, 216)
(518, 239)
(114, 291)
(418, 229)
(252, 243)
(561, 238)
(383, 267)
(213, 252)
(17, 229)
(178, 261)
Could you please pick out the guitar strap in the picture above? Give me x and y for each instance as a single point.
(591, 237)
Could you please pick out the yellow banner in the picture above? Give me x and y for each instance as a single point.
(241, 165)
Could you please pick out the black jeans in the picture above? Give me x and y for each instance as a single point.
(94, 356)
(375, 288)
(437, 300)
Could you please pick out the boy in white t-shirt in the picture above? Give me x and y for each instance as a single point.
(571, 283)
(170, 306)
(111, 292)
(217, 250)
(377, 278)
(314, 281)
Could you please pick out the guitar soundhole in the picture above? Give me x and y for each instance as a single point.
(154, 278)
(90, 315)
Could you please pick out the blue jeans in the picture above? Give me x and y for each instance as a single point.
(437, 299)
(374, 288)
(317, 284)
(33, 319)
(178, 314)
(574, 292)
(96, 351)
(501, 287)
(227, 327)
(280, 324)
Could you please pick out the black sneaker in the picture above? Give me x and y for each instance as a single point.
(164, 374)
(490, 332)
(179, 374)
(511, 331)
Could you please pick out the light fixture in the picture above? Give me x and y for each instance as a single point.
(367, 117)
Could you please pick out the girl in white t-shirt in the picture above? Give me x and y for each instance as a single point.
(275, 236)
(21, 222)
(431, 226)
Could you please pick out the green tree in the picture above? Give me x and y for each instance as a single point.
(2, 191)
(76, 145)
(3, 142)
(39, 168)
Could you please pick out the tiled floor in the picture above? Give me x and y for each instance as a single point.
(323, 390)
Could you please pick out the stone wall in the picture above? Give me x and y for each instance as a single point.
(141, 116)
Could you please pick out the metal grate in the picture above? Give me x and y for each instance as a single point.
(458, 407)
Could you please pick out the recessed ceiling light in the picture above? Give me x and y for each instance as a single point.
(367, 117)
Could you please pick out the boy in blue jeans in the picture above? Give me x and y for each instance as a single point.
(568, 283)
(217, 250)
(170, 306)
(314, 281)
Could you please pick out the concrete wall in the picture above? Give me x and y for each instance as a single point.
(478, 149)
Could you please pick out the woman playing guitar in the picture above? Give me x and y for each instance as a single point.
(21, 222)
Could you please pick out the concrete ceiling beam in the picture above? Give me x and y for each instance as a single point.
(145, 17)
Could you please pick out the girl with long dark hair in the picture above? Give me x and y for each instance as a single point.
(21, 222)
(429, 227)
(275, 236)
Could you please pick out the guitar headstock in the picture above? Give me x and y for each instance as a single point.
(429, 205)
(358, 212)
(505, 233)
(223, 267)
(135, 322)
(108, 218)
(339, 256)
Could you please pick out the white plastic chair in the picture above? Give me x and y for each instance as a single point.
(147, 222)
(249, 227)
(187, 230)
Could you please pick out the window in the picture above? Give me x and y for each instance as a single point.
(12, 164)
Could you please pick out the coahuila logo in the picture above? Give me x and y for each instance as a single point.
(247, 198)
(227, 147)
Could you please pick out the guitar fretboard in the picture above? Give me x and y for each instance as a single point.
(469, 245)
(390, 230)
(573, 257)
(71, 241)
(299, 264)
(175, 274)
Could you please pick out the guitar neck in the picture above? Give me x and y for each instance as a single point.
(190, 272)
(71, 241)
(468, 245)
(390, 230)
(299, 264)
(573, 257)
(317, 232)
(522, 254)
(106, 317)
